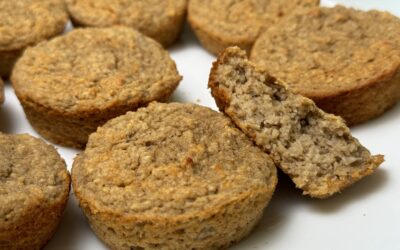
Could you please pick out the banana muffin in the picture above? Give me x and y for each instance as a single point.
(160, 19)
(74, 83)
(34, 189)
(347, 61)
(26, 22)
(172, 176)
(1, 91)
(222, 23)
(314, 148)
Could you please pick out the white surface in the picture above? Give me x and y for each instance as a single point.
(366, 216)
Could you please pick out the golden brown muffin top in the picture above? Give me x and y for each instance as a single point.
(170, 159)
(32, 173)
(26, 22)
(241, 20)
(324, 51)
(95, 69)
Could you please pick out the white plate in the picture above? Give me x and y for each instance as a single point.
(366, 216)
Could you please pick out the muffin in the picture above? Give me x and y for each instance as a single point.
(34, 189)
(314, 148)
(347, 61)
(222, 23)
(159, 19)
(74, 83)
(172, 176)
(26, 22)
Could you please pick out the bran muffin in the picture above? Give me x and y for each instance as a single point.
(26, 22)
(222, 23)
(74, 83)
(1, 91)
(172, 176)
(314, 148)
(347, 61)
(160, 19)
(34, 189)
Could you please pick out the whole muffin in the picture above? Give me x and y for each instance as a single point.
(160, 19)
(74, 83)
(222, 23)
(347, 61)
(34, 189)
(172, 176)
(26, 22)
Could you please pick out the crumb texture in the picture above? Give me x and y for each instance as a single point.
(95, 69)
(314, 148)
(234, 22)
(155, 18)
(327, 51)
(181, 171)
(26, 22)
(34, 188)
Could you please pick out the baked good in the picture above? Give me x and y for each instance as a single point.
(26, 22)
(74, 83)
(34, 189)
(159, 19)
(347, 61)
(1, 91)
(314, 148)
(222, 23)
(172, 176)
